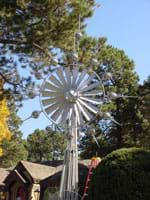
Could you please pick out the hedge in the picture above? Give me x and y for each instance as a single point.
(122, 175)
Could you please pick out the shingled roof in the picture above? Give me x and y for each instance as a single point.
(58, 163)
(3, 174)
(34, 172)
(38, 171)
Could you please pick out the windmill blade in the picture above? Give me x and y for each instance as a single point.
(92, 93)
(54, 80)
(70, 113)
(55, 115)
(75, 76)
(84, 111)
(72, 117)
(64, 115)
(49, 101)
(78, 115)
(49, 94)
(49, 86)
(70, 92)
(92, 100)
(68, 76)
(81, 77)
(61, 78)
(52, 108)
(89, 106)
(90, 87)
(86, 82)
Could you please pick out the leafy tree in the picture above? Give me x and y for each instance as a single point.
(4, 113)
(45, 145)
(123, 174)
(13, 151)
(30, 33)
(14, 147)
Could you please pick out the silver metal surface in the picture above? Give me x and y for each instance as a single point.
(71, 89)
(70, 98)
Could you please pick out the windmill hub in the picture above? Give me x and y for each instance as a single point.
(71, 96)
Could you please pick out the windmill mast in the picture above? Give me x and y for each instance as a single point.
(69, 179)
(70, 96)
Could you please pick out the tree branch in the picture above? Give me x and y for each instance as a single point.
(19, 42)
(6, 80)
(45, 51)
(7, 41)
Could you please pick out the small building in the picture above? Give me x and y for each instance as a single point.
(36, 181)
(24, 180)
(3, 190)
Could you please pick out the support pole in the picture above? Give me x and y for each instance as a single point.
(69, 178)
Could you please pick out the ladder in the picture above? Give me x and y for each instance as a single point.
(93, 164)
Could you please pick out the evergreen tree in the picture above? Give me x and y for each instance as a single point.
(30, 33)
(140, 118)
(45, 145)
(124, 82)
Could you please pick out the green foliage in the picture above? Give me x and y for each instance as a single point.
(44, 146)
(89, 148)
(125, 82)
(131, 113)
(137, 126)
(42, 22)
(14, 150)
(31, 32)
(122, 175)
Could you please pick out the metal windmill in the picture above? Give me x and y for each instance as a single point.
(71, 97)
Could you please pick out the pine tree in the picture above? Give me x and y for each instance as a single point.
(124, 82)
(45, 145)
(31, 32)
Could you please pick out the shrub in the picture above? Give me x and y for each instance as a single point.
(122, 175)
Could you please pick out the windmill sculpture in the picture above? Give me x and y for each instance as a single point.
(71, 97)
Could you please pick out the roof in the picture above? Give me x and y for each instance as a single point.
(57, 163)
(59, 167)
(84, 163)
(3, 174)
(38, 171)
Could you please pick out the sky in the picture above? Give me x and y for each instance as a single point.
(126, 24)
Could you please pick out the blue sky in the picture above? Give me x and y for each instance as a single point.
(126, 24)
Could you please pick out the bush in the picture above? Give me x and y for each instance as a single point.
(122, 175)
